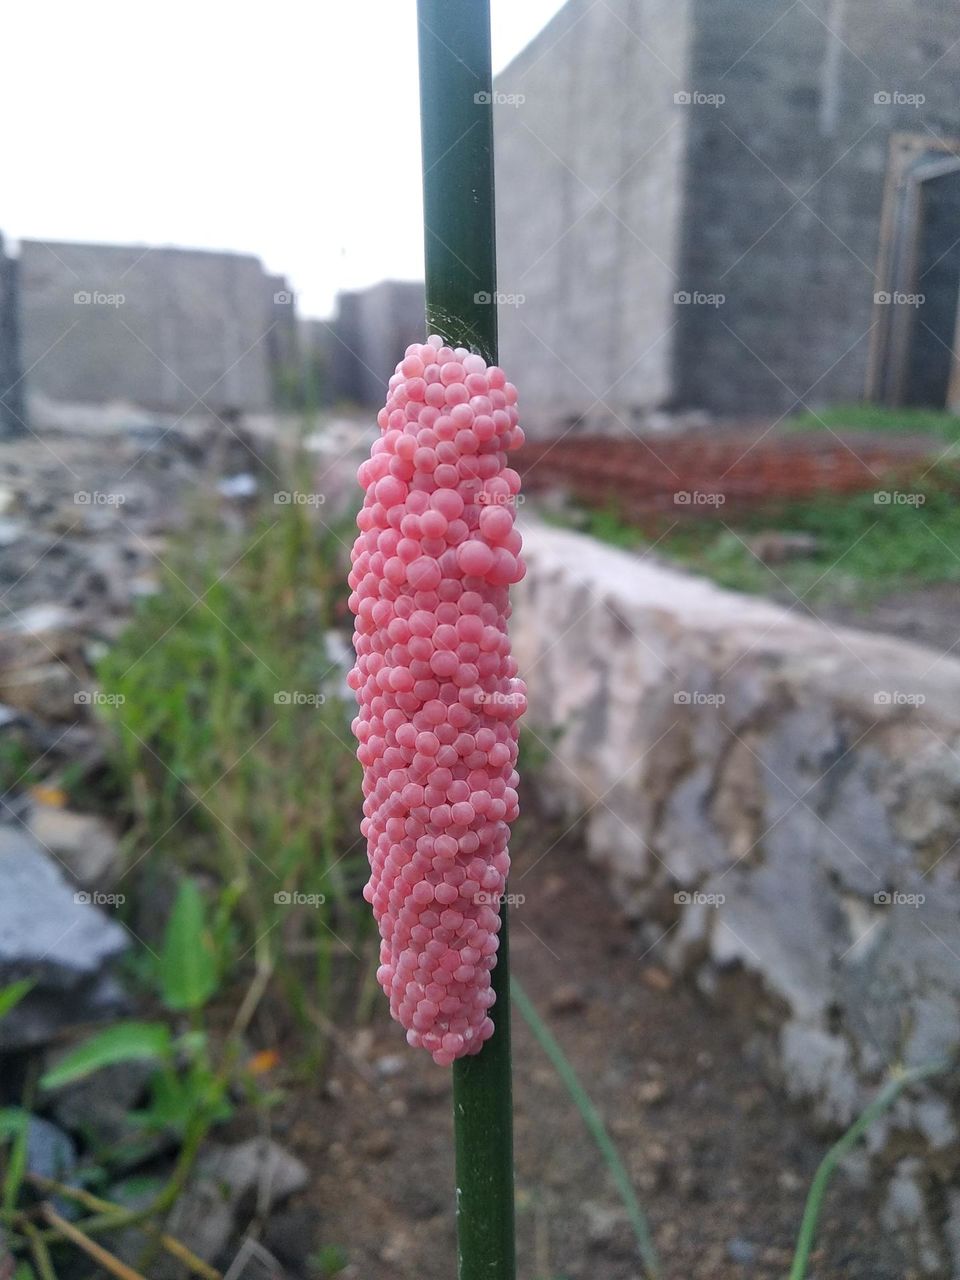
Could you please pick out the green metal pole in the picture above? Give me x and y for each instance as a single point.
(456, 111)
(456, 123)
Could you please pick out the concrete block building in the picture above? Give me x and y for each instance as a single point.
(742, 206)
(169, 330)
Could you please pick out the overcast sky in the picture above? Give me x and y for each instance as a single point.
(289, 130)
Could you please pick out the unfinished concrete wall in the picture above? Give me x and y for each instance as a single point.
(589, 155)
(784, 187)
(368, 336)
(12, 411)
(170, 330)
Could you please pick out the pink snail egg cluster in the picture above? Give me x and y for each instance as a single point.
(437, 689)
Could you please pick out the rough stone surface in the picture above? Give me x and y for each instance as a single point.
(230, 1181)
(85, 845)
(48, 932)
(779, 800)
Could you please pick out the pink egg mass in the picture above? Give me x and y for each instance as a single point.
(437, 688)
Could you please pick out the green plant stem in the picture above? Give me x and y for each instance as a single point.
(591, 1118)
(39, 1252)
(884, 1099)
(460, 254)
(483, 1137)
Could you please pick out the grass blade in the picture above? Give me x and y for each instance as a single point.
(884, 1099)
(591, 1118)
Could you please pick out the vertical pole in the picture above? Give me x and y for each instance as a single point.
(456, 111)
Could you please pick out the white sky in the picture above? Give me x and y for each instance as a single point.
(289, 130)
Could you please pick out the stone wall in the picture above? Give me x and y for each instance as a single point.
(589, 155)
(169, 330)
(778, 800)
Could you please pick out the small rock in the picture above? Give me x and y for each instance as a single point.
(608, 1228)
(98, 1107)
(48, 932)
(46, 691)
(650, 1092)
(292, 1234)
(391, 1064)
(255, 1165)
(567, 999)
(378, 1144)
(50, 1151)
(656, 979)
(741, 1251)
(84, 843)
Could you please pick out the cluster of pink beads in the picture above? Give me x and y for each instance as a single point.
(437, 689)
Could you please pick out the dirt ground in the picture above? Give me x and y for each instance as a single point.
(926, 615)
(720, 1162)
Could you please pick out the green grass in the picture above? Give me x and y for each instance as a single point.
(233, 745)
(872, 417)
(864, 549)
